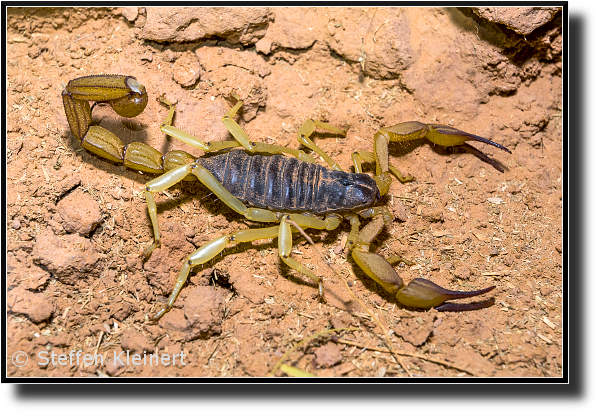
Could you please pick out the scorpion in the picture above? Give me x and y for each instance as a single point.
(270, 183)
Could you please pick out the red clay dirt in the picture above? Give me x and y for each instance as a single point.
(77, 224)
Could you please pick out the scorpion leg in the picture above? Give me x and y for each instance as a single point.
(214, 247)
(285, 240)
(241, 138)
(285, 246)
(161, 183)
(307, 129)
(442, 135)
(244, 140)
(172, 177)
(210, 250)
(168, 128)
(419, 293)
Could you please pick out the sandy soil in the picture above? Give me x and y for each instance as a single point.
(77, 224)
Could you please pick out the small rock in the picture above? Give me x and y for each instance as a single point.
(136, 342)
(433, 216)
(186, 70)
(66, 185)
(522, 20)
(328, 355)
(147, 56)
(34, 278)
(16, 224)
(70, 258)
(399, 211)
(462, 272)
(130, 13)
(415, 330)
(35, 306)
(169, 55)
(116, 366)
(277, 311)
(123, 311)
(80, 213)
(202, 315)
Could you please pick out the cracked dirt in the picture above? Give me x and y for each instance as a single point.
(76, 224)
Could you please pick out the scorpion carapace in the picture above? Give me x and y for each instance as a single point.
(280, 183)
(263, 185)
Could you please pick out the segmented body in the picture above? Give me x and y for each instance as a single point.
(280, 183)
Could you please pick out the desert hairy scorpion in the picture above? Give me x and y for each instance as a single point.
(271, 184)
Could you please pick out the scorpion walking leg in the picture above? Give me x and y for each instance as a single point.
(243, 138)
(285, 240)
(214, 247)
(168, 128)
(209, 251)
(307, 129)
(161, 183)
(419, 293)
(172, 177)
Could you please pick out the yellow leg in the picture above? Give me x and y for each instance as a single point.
(307, 129)
(172, 177)
(161, 183)
(211, 250)
(241, 137)
(361, 157)
(286, 244)
(168, 128)
(283, 231)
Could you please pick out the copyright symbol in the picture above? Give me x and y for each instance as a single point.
(20, 359)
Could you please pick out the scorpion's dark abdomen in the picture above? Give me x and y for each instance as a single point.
(277, 182)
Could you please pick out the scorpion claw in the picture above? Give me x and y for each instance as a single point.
(424, 294)
(461, 307)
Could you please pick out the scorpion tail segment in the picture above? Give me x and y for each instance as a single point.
(134, 102)
(104, 88)
(78, 114)
(125, 94)
(424, 294)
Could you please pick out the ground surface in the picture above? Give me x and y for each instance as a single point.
(77, 224)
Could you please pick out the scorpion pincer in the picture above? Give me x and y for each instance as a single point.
(271, 184)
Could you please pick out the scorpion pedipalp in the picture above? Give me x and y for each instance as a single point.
(442, 135)
(419, 293)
